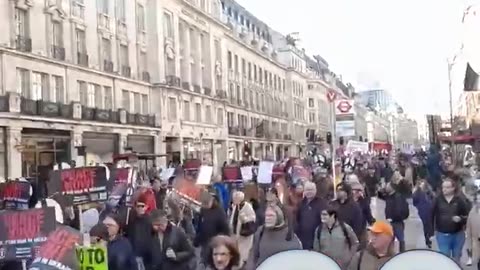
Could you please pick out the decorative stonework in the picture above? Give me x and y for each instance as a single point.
(169, 49)
(23, 4)
(58, 14)
(218, 68)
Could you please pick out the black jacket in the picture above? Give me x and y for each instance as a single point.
(212, 222)
(443, 212)
(176, 239)
(350, 213)
(396, 206)
(308, 219)
(139, 232)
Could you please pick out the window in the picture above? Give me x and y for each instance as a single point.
(21, 24)
(186, 111)
(137, 103)
(82, 91)
(91, 95)
(249, 71)
(255, 73)
(203, 5)
(98, 96)
(168, 25)
(81, 41)
(208, 114)
(107, 98)
(124, 55)
(235, 63)
(106, 49)
(126, 100)
(103, 7)
(39, 87)
(229, 60)
(198, 112)
(144, 104)
(143, 65)
(311, 118)
(244, 68)
(23, 82)
(172, 109)
(57, 87)
(311, 102)
(78, 9)
(121, 14)
(230, 119)
(141, 18)
(220, 117)
(57, 34)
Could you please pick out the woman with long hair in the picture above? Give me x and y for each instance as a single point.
(222, 254)
(335, 238)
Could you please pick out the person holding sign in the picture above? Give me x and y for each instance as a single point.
(171, 248)
(120, 252)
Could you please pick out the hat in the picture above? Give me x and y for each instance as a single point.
(356, 185)
(143, 198)
(382, 227)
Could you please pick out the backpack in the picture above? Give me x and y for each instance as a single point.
(344, 230)
(288, 237)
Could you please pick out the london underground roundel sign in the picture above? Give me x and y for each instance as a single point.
(420, 259)
(344, 106)
(299, 260)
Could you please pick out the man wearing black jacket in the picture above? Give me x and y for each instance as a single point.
(171, 248)
(396, 211)
(449, 216)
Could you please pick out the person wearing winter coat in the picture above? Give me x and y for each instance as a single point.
(396, 212)
(335, 238)
(423, 200)
(379, 250)
(170, 246)
(120, 251)
(242, 224)
(449, 217)
(272, 238)
(358, 195)
(138, 232)
(348, 210)
(309, 215)
(212, 221)
(472, 241)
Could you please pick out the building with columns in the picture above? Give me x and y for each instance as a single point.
(186, 78)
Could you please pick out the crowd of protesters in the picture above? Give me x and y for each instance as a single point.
(233, 231)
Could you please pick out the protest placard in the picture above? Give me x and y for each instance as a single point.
(205, 175)
(58, 252)
(231, 174)
(84, 184)
(247, 173)
(92, 258)
(265, 172)
(15, 194)
(188, 192)
(21, 231)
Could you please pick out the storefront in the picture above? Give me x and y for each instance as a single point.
(100, 147)
(141, 144)
(42, 149)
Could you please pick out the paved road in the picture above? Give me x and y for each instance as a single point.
(413, 228)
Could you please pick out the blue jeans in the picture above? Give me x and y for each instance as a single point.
(451, 244)
(399, 230)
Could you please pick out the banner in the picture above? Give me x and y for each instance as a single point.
(92, 258)
(58, 252)
(231, 174)
(22, 231)
(84, 184)
(189, 193)
(15, 194)
(121, 179)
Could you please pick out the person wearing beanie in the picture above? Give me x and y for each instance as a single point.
(271, 238)
(139, 231)
(119, 250)
(348, 210)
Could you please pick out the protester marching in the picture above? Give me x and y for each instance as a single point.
(191, 217)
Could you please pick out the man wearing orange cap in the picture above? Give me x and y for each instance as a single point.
(379, 249)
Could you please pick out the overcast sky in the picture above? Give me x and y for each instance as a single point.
(401, 46)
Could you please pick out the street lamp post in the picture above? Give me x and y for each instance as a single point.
(450, 64)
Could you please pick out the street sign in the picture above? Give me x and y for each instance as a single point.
(344, 106)
(331, 95)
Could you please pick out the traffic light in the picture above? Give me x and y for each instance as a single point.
(329, 137)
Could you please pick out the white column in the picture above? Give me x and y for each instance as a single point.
(122, 142)
(14, 161)
(76, 140)
(160, 148)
